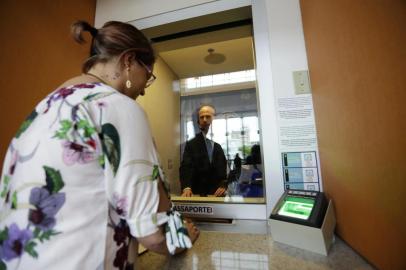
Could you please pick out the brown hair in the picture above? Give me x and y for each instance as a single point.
(112, 40)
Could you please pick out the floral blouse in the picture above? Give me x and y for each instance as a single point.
(80, 176)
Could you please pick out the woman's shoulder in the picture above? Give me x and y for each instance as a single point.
(125, 103)
(119, 105)
(77, 80)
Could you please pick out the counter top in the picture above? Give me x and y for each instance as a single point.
(213, 199)
(223, 250)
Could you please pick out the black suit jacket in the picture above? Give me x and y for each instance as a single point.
(197, 172)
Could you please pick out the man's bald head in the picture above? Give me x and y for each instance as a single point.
(206, 116)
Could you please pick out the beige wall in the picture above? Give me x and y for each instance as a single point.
(357, 61)
(37, 55)
(162, 106)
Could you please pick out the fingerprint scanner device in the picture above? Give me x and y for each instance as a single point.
(304, 219)
(301, 207)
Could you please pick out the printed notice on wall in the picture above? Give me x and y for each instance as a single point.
(298, 143)
(294, 109)
(296, 123)
(300, 170)
(293, 136)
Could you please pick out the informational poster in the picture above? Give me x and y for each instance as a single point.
(300, 170)
(296, 123)
(298, 142)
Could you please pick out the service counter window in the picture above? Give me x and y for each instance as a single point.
(213, 65)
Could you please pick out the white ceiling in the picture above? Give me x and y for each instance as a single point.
(189, 62)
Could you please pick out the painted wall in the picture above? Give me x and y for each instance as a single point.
(38, 54)
(356, 53)
(162, 106)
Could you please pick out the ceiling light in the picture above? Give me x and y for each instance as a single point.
(214, 58)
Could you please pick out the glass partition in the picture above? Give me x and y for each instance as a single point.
(235, 128)
(229, 87)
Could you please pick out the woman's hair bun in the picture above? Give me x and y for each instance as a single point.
(78, 27)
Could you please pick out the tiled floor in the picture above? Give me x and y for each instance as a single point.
(219, 250)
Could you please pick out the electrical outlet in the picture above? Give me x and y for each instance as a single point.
(301, 82)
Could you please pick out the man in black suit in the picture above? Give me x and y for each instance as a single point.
(203, 168)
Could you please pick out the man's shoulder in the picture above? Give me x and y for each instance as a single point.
(218, 145)
(195, 139)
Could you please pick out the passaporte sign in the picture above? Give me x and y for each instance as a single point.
(194, 209)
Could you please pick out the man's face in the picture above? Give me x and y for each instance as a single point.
(206, 115)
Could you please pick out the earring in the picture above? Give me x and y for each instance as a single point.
(128, 82)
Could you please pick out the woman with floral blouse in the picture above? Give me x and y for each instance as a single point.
(81, 176)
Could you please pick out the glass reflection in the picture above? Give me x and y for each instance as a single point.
(235, 128)
(203, 167)
(239, 260)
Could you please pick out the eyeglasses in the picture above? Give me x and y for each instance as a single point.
(150, 76)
